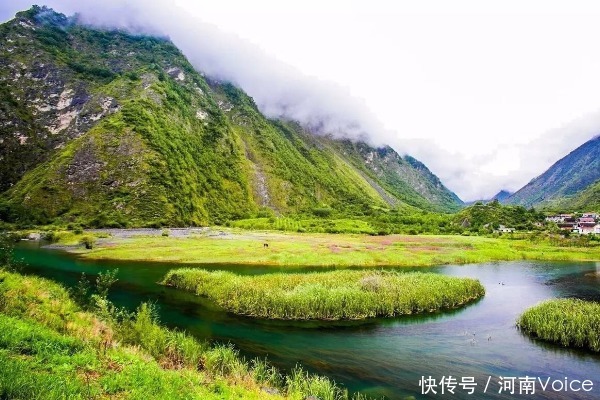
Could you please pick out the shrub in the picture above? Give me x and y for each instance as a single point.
(104, 281)
(322, 212)
(7, 247)
(51, 236)
(88, 241)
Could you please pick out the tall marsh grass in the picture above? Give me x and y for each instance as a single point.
(331, 295)
(568, 322)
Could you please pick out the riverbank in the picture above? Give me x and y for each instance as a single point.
(233, 246)
(51, 348)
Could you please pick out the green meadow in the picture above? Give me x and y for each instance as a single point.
(294, 249)
(330, 295)
(568, 322)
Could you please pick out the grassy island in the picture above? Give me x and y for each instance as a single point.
(331, 295)
(568, 322)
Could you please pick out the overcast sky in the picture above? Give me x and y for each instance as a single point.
(487, 94)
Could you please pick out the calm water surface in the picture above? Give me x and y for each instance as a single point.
(379, 357)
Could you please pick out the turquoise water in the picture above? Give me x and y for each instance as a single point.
(380, 357)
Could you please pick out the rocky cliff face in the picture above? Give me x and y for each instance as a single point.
(108, 128)
(404, 178)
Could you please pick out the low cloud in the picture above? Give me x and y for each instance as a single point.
(476, 177)
(279, 90)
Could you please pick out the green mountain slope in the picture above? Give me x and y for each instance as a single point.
(404, 178)
(110, 129)
(567, 178)
(586, 200)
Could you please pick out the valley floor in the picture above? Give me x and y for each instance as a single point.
(234, 246)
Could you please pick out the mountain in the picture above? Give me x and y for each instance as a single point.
(584, 201)
(502, 196)
(567, 178)
(107, 128)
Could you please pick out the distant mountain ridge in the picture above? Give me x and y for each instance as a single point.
(502, 196)
(112, 129)
(564, 181)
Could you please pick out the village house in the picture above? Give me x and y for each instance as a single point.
(587, 225)
(568, 224)
(504, 229)
(588, 229)
(559, 218)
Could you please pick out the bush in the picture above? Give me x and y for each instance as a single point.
(7, 247)
(322, 212)
(88, 241)
(104, 281)
(82, 291)
(51, 236)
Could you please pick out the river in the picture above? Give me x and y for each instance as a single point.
(383, 357)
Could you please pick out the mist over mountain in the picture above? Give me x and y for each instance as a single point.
(107, 127)
(279, 90)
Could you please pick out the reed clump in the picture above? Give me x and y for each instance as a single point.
(334, 295)
(568, 322)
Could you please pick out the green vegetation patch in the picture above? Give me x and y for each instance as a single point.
(569, 322)
(331, 295)
(588, 199)
(247, 247)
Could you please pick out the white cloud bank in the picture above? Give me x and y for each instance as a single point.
(488, 95)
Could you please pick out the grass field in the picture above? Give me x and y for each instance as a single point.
(52, 349)
(292, 249)
(330, 295)
(568, 322)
